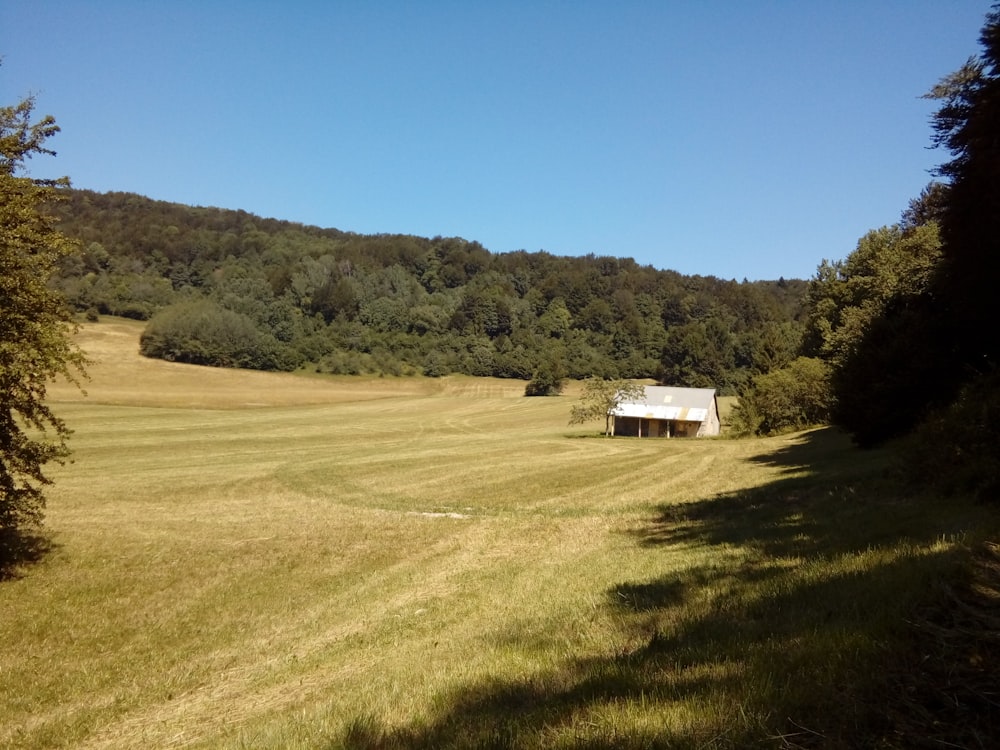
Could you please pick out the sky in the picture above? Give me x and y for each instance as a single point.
(732, 138)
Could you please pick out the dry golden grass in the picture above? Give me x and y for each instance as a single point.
(258, 560)
(120, 375)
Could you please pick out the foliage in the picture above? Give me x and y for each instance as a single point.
(699, 355)
(966, 305)
(203, 333)
(601, 397)
(868, 319)
(547, 380)
(436, 305)
(909, 320)
(967, 124)
(35, 324)
(844, 297)
(792, 398)
(954, 449)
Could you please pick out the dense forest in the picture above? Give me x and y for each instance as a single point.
(228, 288)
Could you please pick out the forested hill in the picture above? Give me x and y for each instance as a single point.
(229, 288)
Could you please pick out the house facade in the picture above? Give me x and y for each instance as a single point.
(668, 412)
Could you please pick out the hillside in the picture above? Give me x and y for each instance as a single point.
(232, 289)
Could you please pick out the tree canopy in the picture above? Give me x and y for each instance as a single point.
(789, 398)
(347, 303)
(966, 124)
(35, 323)
(600, 398)
(906, 324)
(922, 339)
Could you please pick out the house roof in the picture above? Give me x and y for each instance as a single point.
(667, 402)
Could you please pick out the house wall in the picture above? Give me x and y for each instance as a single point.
(687, 429)
(636, 426)
(631, 426)
(712, 424)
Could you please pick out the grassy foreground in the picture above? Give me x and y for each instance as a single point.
(247, 560)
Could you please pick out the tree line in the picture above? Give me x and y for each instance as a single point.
(227, 288)
(901, 341)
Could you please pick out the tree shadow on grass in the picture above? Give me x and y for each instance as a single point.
(20, 548)
(789, 646)
(831, 499)
(761, 680)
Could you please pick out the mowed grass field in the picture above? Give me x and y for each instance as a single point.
(251, 560)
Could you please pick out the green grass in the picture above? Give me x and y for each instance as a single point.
(243, 560)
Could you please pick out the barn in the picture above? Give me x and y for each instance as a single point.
(668, 412)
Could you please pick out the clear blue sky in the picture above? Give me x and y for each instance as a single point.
(746, 138)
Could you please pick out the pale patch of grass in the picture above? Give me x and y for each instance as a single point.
(121, 376)
(251, 560)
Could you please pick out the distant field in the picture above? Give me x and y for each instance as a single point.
(251, 560)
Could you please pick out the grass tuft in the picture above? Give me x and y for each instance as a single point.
(946, 685)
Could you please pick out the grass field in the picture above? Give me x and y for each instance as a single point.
(250, 560)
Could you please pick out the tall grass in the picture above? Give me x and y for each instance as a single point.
(250, 561)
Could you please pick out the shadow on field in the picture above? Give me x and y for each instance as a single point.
(21, 548)
(787, 640)
(829, 488)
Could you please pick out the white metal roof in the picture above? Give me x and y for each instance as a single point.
(667, 402)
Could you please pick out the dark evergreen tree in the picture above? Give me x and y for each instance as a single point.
(968, 124)
(904, 351)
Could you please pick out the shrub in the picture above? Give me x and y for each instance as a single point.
(203, 333)
(435, 365)
(955, 450)
(546, 381)
(792, 398)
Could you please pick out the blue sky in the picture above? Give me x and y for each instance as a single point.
(735, 139)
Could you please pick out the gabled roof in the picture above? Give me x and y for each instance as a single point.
(667, 402)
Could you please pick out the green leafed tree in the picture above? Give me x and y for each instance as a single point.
(957, 396)
(548, 379)
(790, 398)
(888, 264)
(600, 397)
(203, 333)
(899, 358)
(35, 323)
(873, 321)
(699, 355)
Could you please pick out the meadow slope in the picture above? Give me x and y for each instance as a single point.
(241, 559)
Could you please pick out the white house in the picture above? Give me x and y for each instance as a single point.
(668, 412)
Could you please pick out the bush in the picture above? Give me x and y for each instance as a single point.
(345, 362)
(792, 398)
(202, 333)
(545, 382)
(955, 451)
(435, 365)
